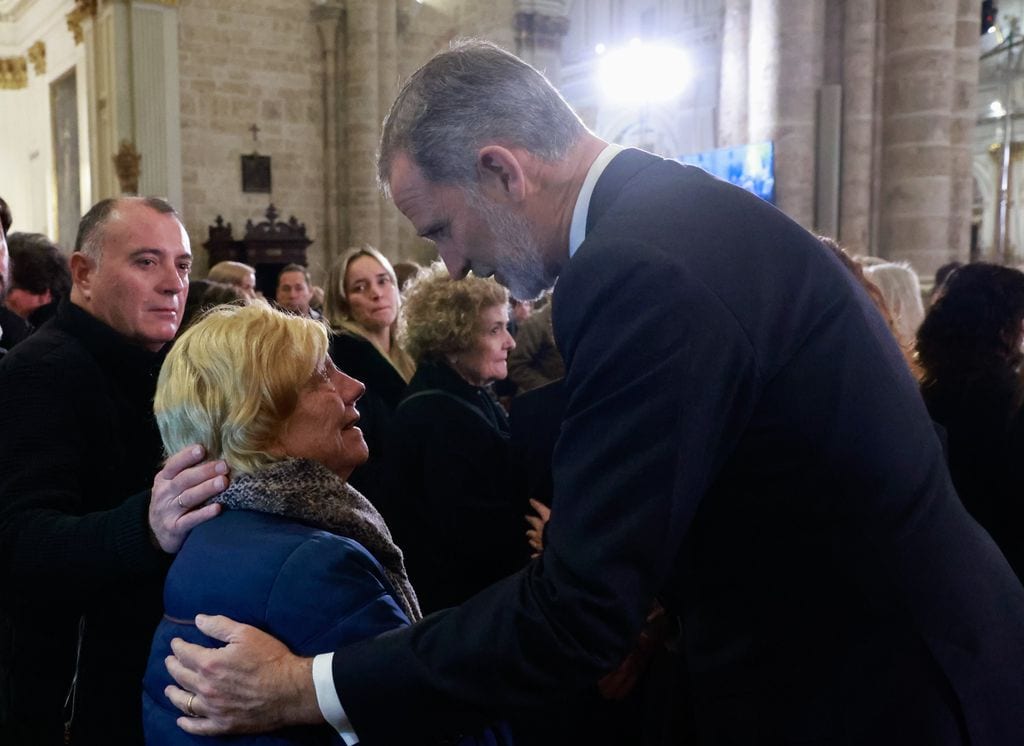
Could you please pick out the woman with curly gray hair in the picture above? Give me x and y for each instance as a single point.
(453, 500)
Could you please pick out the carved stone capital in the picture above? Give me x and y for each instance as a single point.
(126, 164)
(37, 56)
(13, 73)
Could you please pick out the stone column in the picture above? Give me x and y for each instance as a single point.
(733, 91)
(965, 88)
(540, 27)
(327, 19)
(917, 188)
(860, 39)
(786, 69)
(362, 123)
(387, 29)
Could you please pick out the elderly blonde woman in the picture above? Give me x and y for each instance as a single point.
(361, 304)
(454, 499)
(242, 276)
(296, 552)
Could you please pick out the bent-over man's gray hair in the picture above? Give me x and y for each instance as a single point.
(473, 94)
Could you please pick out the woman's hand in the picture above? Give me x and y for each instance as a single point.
(535, 533)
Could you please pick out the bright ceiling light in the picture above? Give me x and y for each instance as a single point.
(644, 73)
(996, 108)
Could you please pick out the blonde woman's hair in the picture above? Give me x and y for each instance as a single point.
(441, 316)
(233, 378)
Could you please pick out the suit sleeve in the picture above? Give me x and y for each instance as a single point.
(48, 541)
(657, 394)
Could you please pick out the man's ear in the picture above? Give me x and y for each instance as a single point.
(501, 173)
(82, 268)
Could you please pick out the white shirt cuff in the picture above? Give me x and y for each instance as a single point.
(327, 699)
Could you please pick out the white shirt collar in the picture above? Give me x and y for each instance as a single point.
(578, 228)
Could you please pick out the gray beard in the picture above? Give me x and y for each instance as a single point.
(518, 257)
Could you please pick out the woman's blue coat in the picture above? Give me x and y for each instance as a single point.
(313, 590)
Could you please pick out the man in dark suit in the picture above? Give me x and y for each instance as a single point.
(742, 442)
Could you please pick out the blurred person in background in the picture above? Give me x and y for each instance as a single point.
(295, 291)
(238, 274)
(40, 277)
(13, 328)
(454, 500)
(969, 349)
(206, 294)
(362, 304)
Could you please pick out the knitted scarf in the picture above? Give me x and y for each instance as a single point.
(310, 492)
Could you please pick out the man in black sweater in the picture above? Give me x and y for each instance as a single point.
(86, 532)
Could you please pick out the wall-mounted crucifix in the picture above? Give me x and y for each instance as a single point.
(256, 168)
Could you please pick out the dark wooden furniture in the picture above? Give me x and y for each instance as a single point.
(268, 246)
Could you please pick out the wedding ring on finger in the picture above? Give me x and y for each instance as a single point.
(188, 707)
(180, 503)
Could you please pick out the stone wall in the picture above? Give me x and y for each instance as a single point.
(428, 29)
(245, 62)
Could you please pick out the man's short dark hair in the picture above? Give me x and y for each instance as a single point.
(90, 229)
(38, 265)
(295, 268)
(5, 216)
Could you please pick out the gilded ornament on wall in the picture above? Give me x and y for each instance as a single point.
(126, 164)
(13, 72)
(37, 56)
(83, 9)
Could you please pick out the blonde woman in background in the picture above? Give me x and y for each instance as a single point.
(361, 305)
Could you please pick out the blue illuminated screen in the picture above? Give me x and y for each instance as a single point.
(751, 167)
